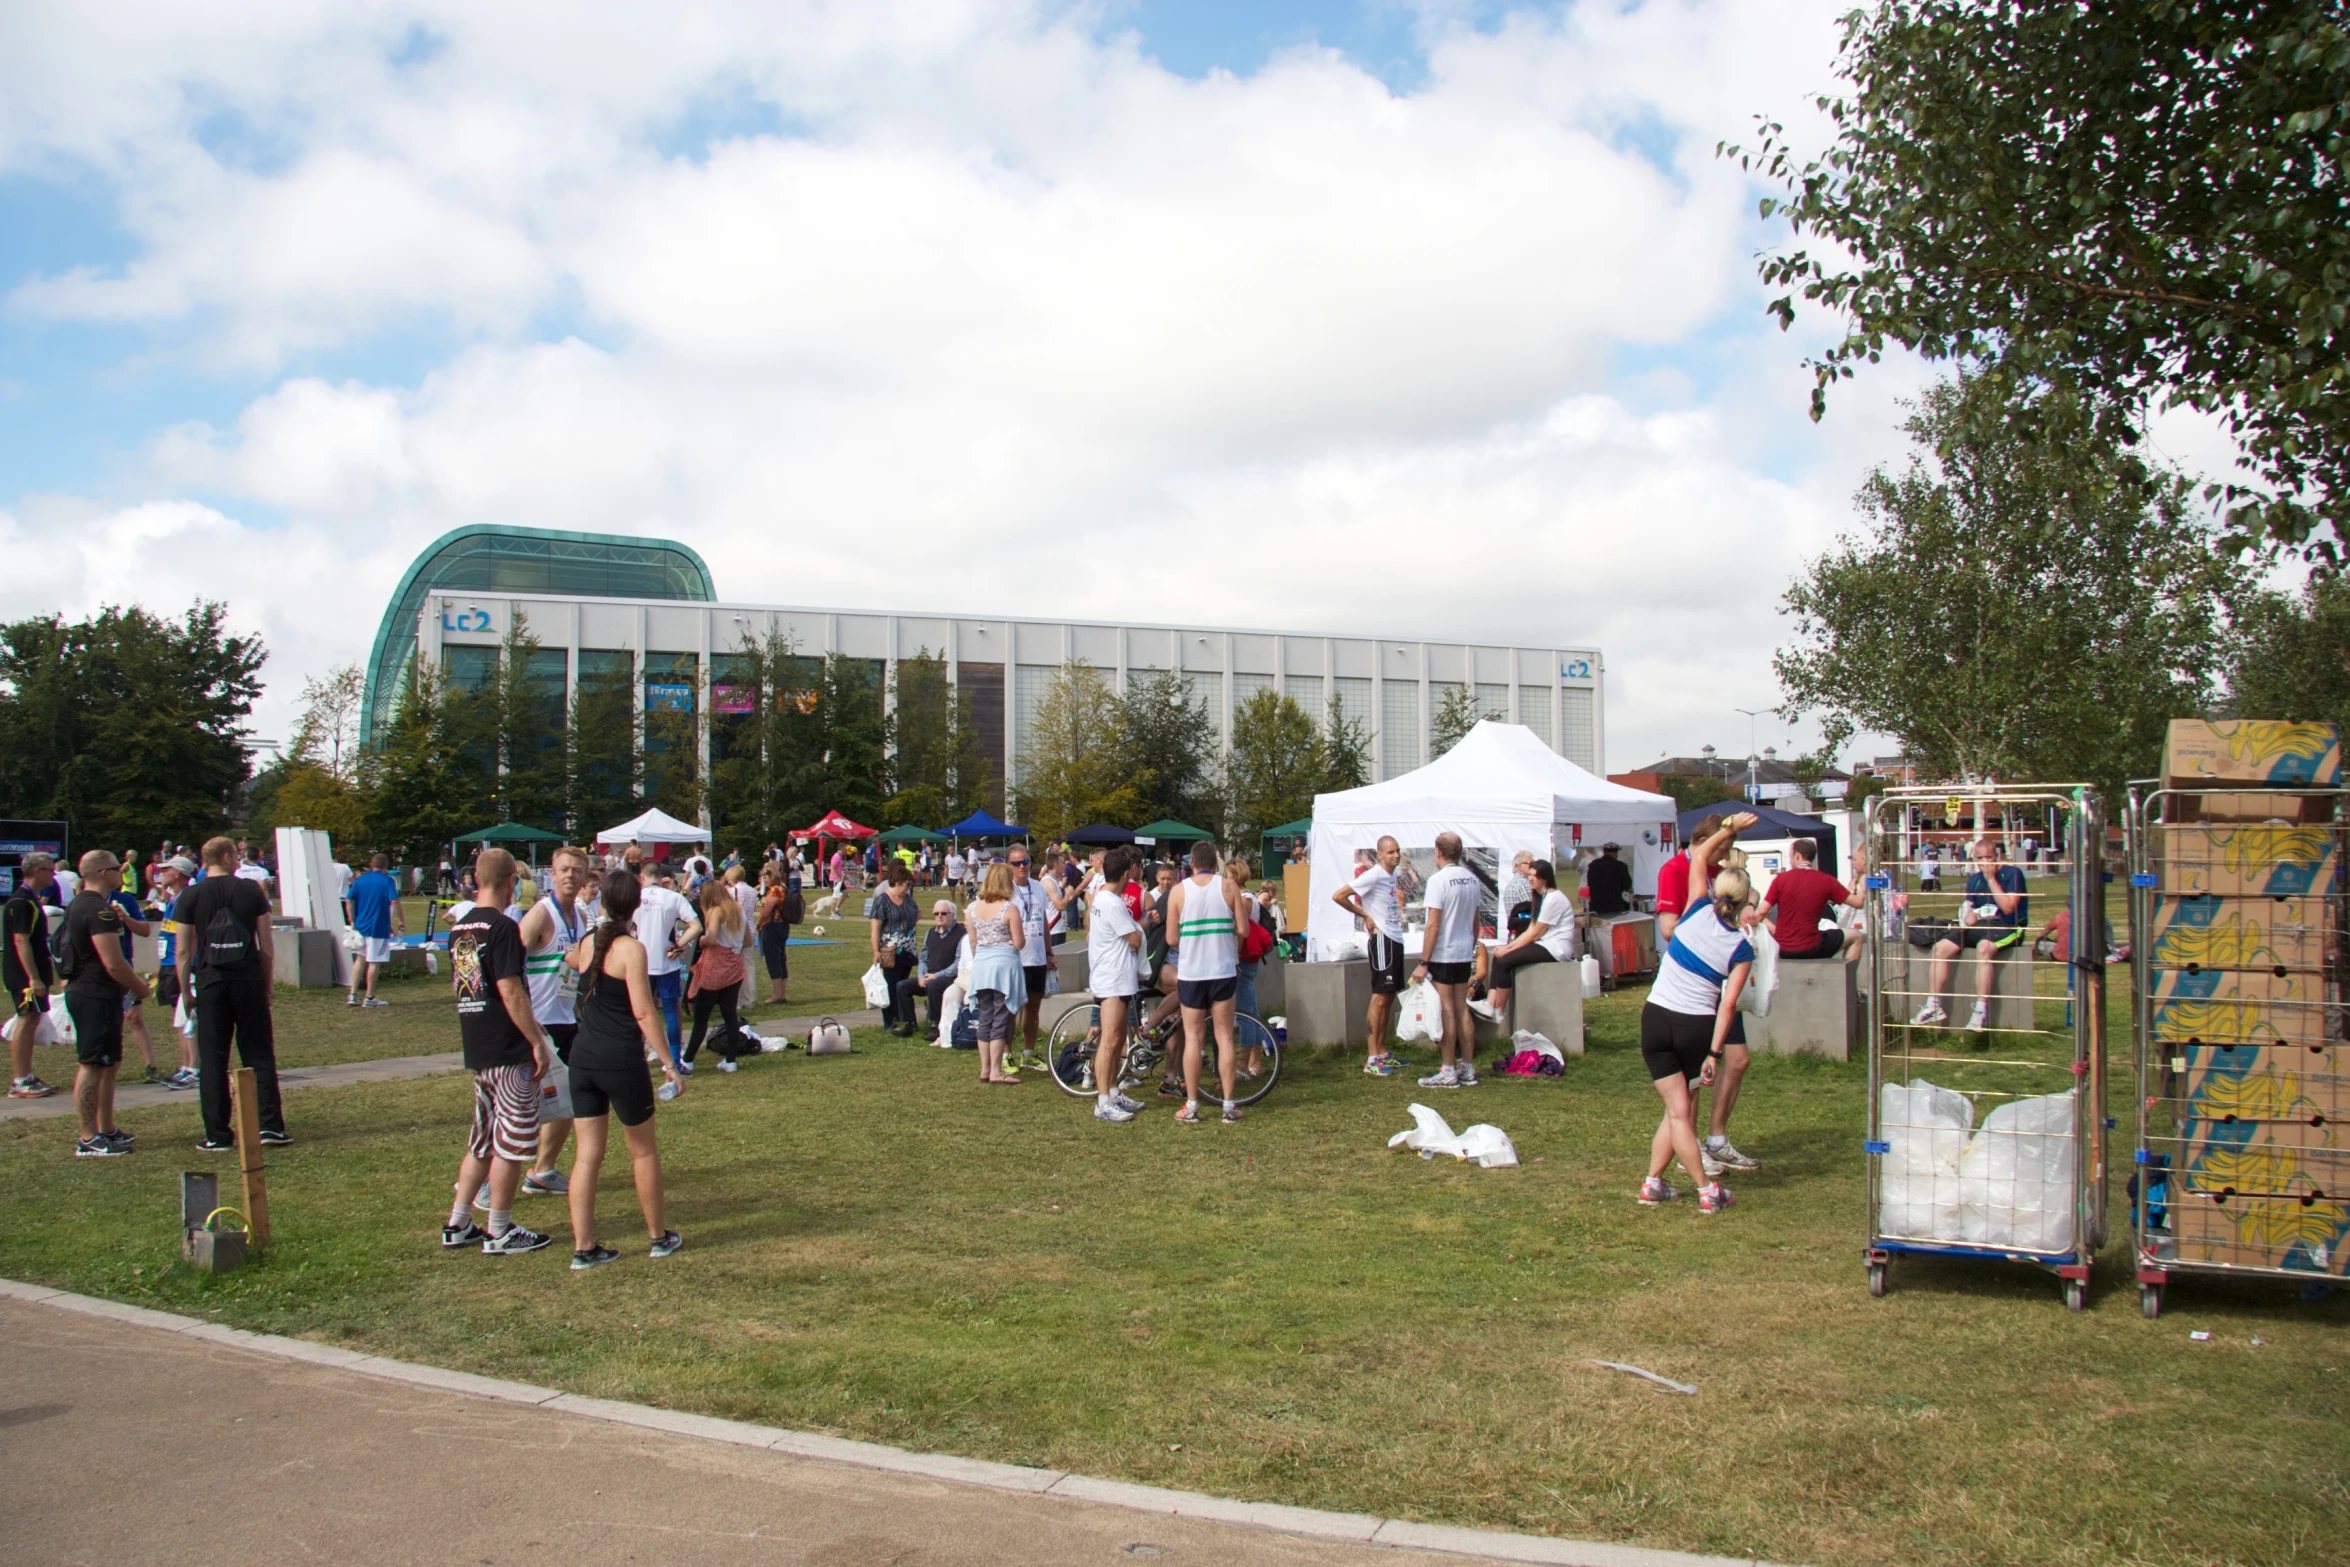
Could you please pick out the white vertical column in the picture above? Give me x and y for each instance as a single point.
(703, 718)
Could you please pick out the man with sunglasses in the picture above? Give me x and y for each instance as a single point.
(1039, 904)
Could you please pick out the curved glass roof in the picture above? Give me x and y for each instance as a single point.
(492, 558)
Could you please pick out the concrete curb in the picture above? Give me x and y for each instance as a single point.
(1358, 1528)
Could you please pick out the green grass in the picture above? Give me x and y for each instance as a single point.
(1286, 1310)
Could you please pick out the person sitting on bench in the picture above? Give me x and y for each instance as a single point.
(1993, 918)
(1801, 894)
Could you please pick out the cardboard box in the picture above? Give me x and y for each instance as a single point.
(2251, 752)
(2239, 862)
(2258, 1082)
(2232, 1006)
(2207, 932)
(2258, 806)
(2260, 1232)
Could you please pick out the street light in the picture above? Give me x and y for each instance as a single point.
(1752, 713)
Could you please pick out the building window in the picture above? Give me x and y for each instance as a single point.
(1534, 711)
(1306, 692)
(1030, 682)
(1206, 689)
(607, 664)
(470, 668)
(1246, 686)
(1399, 729)
(1493, 701)
(1577, 739)
(1354, 702)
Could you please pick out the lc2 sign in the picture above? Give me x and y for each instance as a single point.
(465, 620)
(1576, 669)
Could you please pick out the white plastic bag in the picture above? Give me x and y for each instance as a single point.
(182, 1019)
(1762, 981)
(1527, 1039)
(1430, 1134)
(2015, 1180)
(1924, 1129)
(1421, 1017)
(56, 1024)
(876, 987)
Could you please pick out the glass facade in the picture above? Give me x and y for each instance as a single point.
(1306, 692)
(1399, 727)
(1030, 683)
(1577, 737)
(1534, 711)
(1493, 701)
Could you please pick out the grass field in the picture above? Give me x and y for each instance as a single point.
(1286, 1310)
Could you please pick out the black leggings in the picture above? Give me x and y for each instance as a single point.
(729, 1041)
(1502, 975)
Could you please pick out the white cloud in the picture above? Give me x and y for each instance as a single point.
(1012, 319)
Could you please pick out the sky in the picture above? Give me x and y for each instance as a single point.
(1423, 321)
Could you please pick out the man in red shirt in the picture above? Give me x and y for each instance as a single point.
(1801, 894)
(1672, 883)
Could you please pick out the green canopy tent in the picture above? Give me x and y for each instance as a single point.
(1170, 832)
(513, 832)
(911, 834)
(1287, 836)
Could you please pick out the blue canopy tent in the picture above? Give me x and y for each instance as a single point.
(981, 825)
(1101, 836)
(1773, 823)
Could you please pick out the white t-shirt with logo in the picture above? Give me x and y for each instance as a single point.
(1375, 888)
(1036, 919)
(1558, 915)
(659, 913)
(1452, 898)
(1112, 966)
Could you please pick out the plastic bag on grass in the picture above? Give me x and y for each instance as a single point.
(1924, 1129)
(1430, 1134)
(2015, 1180)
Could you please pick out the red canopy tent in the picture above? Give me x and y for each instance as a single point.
(834, 825)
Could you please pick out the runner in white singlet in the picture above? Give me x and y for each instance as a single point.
(1204, 914)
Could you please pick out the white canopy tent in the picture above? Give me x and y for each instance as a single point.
(654, 827)
(1502, 790)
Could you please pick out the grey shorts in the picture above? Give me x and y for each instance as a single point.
(991, 1017)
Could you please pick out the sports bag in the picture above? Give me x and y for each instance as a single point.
(828, 1038)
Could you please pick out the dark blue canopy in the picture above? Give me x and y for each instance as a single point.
(1773, 823)
(1103, 836)
(981, 825)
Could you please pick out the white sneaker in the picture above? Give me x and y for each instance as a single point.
(1979, 1019)
(1929, 1015)
(1712, 1165)
(1484, 1009)
(1126, 1103)
(1111, 1110)
(726, 1064)
(1466, 1073)
(1725, 1153)
(1442, 1077)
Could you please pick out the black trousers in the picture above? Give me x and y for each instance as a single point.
(730, 1035)
(903, 992)
(898, 969)
(235, 1006)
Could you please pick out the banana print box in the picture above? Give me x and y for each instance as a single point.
(2229, 1082)
(2304, 1233)
(2252, 752)
(2247, 862)
(2205, 932)
(2229, 1006)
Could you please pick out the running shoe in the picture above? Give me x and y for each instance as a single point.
(1170, 1089)
(1442, 1077)
(1727, 1155)
(1188, 1115)
(726, 1064)
(214, 1145)
(685, 1068)
(277, 1139)
(1380, 1066)
(1111, 1110)
(546, 1183)
(593, 1257)
(99, 1148)
(185, 1077)
(481, 1199)
(351, 1000)
(1467, 1074)
(120, 1138)
(668, 1243)
(1930, 1015)
(29, 1088)
(1125, 1101)
(1714, 1198)
(1654, 1190)
(513, 1243)
(1979, 1019)
(1484, 1009)
(1231, 1115)
(456, 1237)
(152, 1076)
(1085, 1080)
(375, 1001)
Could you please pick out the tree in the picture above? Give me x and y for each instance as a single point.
(752, 752)
(1346, 751)
(1171, 752)
(1456, 714)
(936, 774)
(2289, 654)
(673, 780)
(413, 810)
(2147, 203)
(2020, 604)
(603, 760)
(1276, 766)
(531, 727)
(1073, 770)
(855, 777)
(317, 782)
(128, 727)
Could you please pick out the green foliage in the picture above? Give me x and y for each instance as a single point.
(603, 762)
(1456, 714)
(1276, 766)
(1171, 753)
(413, 806)
(936, 772)
(2022, 603)
(2289, 653)
(530, 732)
(128, 727)
(1076, 768)
(1346, 751)
(855, 777)
(2147, 202)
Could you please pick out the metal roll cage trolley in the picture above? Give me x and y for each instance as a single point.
(2025, 1180)
(2236, 938)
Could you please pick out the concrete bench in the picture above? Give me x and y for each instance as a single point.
(1548, 999)
(1326, 1003)
(1909, 971)
(1816, 1012)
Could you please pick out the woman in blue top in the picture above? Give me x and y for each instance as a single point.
(1689, 1012)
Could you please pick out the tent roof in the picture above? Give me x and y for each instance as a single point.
(1102, 833)
(833, 825)
(1297, 829)
(1165, 831)
(509, 832)
(1771, 823)
(1497, 773)
(655, 826)
(912, 834)
(981, 825)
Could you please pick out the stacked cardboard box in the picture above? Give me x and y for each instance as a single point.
(2246, 1006)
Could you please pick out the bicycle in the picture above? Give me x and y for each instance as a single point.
(1076, 1036)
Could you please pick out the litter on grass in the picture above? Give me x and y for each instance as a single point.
(1664, 1382)
(1490, 1146)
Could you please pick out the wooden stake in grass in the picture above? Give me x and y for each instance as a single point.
(247, 1106)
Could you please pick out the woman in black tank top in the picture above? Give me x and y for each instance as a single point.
(618, 1022)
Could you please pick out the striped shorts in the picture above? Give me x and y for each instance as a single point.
(506, 1114)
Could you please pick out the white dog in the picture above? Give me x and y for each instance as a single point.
(825, 906)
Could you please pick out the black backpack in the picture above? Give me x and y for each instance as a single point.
(61, 958)
(224, 943)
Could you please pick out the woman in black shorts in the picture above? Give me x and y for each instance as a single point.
(619, 1024)
(1690, 1008)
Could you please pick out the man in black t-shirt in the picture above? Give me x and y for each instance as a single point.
(100, 975)
(26, 971)
(226, 954)
(1609, 881)
(510, 1056)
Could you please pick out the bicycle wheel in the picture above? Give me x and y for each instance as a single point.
(1081, 1027)
(1248, 1033)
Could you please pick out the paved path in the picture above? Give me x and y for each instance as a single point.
(249, 1448)
(140, 1096)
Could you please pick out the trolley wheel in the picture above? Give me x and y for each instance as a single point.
(1877, 1279)
(2150, 1300)
(2076, 1294)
